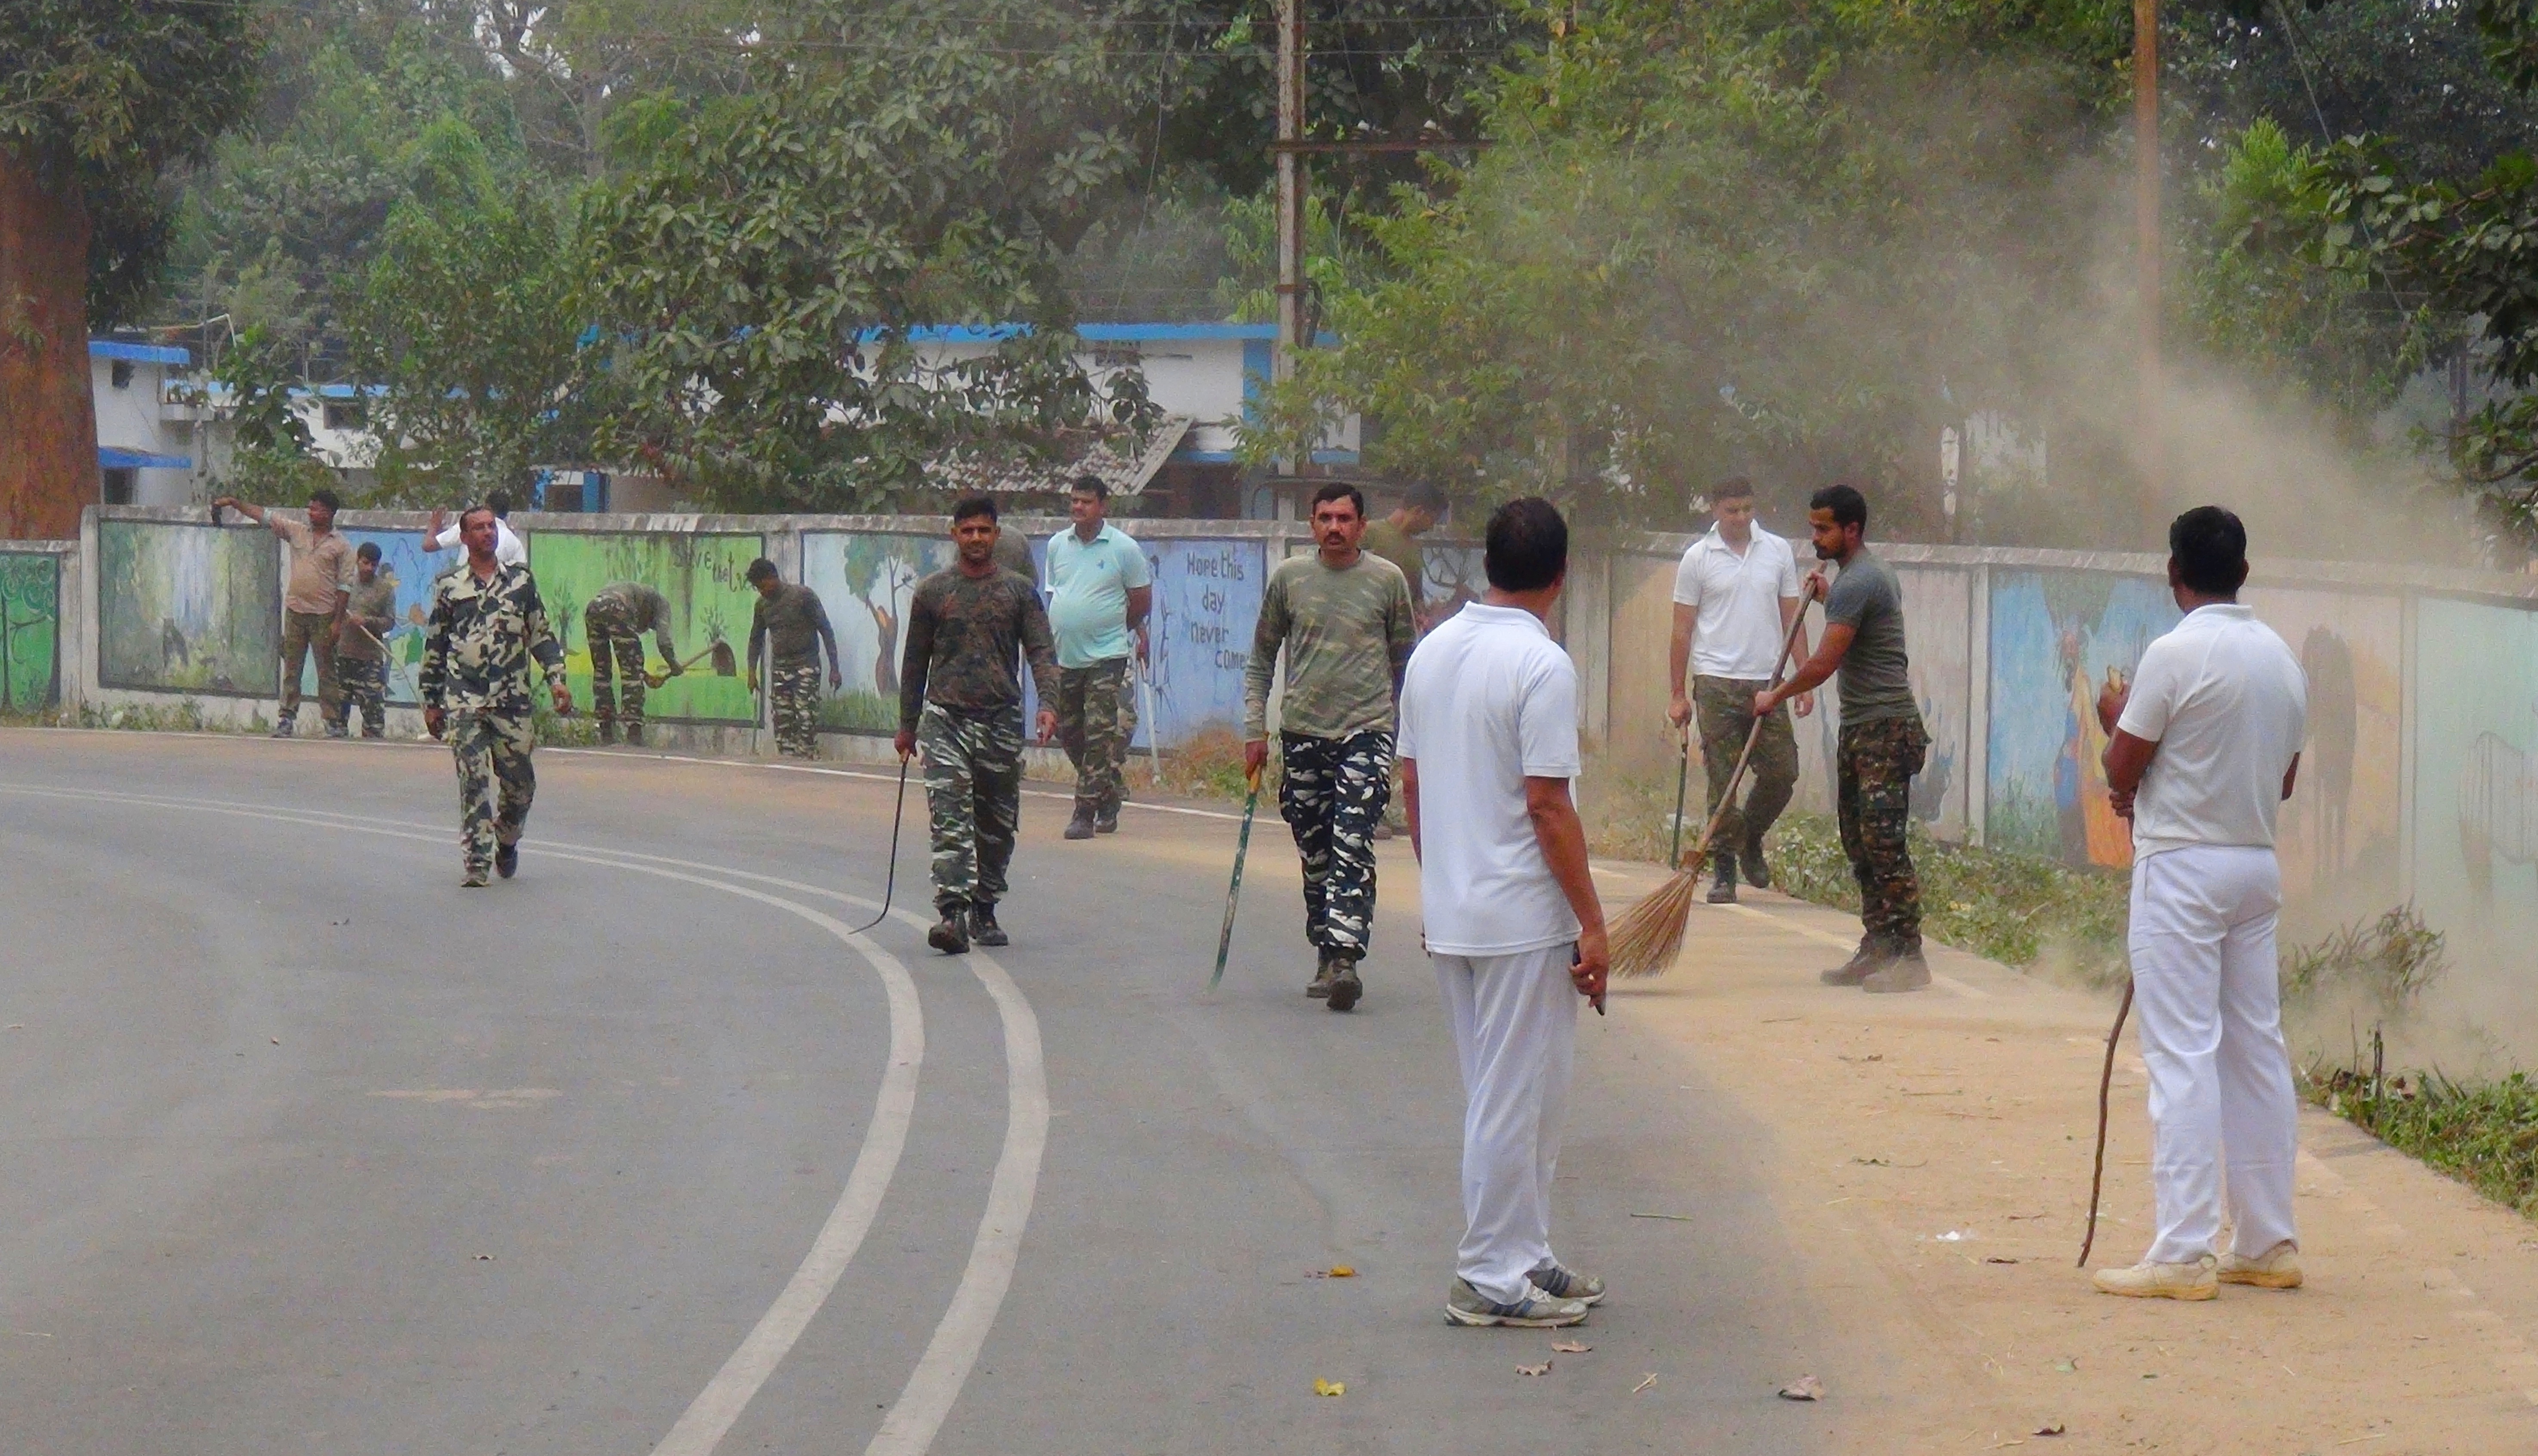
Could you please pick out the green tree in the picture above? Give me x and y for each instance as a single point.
(98, 99)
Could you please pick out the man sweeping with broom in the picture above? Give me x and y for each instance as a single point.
(2203, 749)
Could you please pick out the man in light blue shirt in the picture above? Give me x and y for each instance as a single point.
(1099, 590)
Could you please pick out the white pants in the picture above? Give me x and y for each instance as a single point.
(1516, 1029)
(2205, 982)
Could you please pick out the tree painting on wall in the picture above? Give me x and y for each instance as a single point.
(29, 631)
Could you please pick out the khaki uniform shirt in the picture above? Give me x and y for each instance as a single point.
(321, 566)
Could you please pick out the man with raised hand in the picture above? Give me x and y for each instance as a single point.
(961, 702)
(2203, 749)
(1489, 747)
(509, 549)
(1735, 599)
(314, 595)
(1881, 746)
(1099, 590)
(487, 622)
(1343, 619)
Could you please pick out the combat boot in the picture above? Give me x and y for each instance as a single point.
(1345, 986)
(607, 731)
(1756, 873)
(1321, 989)
(951, 934)
(633, 735)
(1722, 891)
(1106, 819)
(983, 929)
(1863, 964)
(1904, 970)
(1081, 825)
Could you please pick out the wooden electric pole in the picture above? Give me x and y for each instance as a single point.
(2146, 244)
(1292, 179)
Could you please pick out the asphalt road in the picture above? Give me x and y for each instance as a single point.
(303, 1148)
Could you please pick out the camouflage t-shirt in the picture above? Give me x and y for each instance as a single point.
(374, 606)
(791, 624)
(480, 637)
(1348, 634)
(965, 635)
(631, 604)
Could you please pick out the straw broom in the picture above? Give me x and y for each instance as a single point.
(1645, 940)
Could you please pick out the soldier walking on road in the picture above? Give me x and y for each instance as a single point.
(486, 623)
(1343, 619)
(1881, 746)
(1735, 598)
(1099, 590)
(314, 595)
(789, 627)
(961, 702)
(362, 655)
(614, 624)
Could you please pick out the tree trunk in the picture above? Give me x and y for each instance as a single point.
(48, 414)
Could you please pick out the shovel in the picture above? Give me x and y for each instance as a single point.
(726, 664)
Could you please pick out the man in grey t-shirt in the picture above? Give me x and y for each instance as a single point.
(1882, 743)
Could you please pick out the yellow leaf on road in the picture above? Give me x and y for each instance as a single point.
(1329, 1387)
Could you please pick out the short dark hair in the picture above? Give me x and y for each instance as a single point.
(369, 552)
(1092, 485)
(1337, 488)
(1734, 488)
(467, 511)
(1848, 507)
(500, 502)
(1526, 547)
(2209, 546)
(325, 497)
(761, 569)
(1425, 496)
(969, 506)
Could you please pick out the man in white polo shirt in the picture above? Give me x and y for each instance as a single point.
(1100, 589)
(1735, 595)
(2203, 749)
(1489, 745)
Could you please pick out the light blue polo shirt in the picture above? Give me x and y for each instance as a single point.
(1088, 594)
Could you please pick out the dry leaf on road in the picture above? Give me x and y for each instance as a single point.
(1329, 1387)
(2055, 1429)
(1570, 1347)
(1804, 1388)
(1541, 1369)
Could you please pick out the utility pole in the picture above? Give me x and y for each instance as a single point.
(1291, 191)
(2146, 244)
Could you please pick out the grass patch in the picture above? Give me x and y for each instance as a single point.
(2484, 1134)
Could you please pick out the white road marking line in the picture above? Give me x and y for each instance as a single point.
(710, 1416)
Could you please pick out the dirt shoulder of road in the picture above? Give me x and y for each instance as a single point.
(1929, 1156)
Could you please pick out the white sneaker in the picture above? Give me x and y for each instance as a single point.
(1465, 1306)
(2148, 1281)
(2277, 1268)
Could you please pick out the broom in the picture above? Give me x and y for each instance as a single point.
(1645, 940)
(726, 664)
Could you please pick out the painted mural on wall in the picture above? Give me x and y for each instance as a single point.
(403, 561)
(865, 581)
(31, 620)
(704, 577)
(189, 608)
(2055, 636)
(2338, 836)
(1207, 600)
(2476, 777)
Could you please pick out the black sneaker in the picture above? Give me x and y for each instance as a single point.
(949, 935)
(507, 860)
(983, 929)
(1722, 891)
(1345, 986)
(1756, 873)
(1081, 825)
(1106, 820)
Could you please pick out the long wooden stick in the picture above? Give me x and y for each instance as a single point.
(1233, 891)
(1753, 736)
(2105, 1080)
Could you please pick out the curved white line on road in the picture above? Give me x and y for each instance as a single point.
(709, 1416)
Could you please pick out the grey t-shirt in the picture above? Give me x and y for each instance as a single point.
(1875, 678)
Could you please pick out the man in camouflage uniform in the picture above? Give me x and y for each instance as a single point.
(1882, 743)
(1343, 617)
(614, 624)
(791, 619)
(360, 652)
(487, 622)
(961, 702)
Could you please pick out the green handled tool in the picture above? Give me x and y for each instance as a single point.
(1234, 891)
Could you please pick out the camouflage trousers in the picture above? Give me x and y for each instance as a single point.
(364, 685)
(494, 782)
(793, 689)
(1725, 709)
(304, 635)
(1873, 794)
(1089, 726)
(1331, 792)
(974, 793)
(614, 645)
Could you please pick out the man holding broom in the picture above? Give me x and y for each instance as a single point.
(1488, 746)
(1735, 600)
(2203, 749)
(1341, 616)
(1881, 746)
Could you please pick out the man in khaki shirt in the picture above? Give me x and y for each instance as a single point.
(314, 597)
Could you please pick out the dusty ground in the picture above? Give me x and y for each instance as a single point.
(1930, 1157)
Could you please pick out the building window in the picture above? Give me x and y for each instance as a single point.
(342, 417)
(121, 373)
(119, 482)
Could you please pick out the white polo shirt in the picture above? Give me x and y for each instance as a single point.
(1489, 702)
(2223, 699)
(1737, 629)
(506, 547)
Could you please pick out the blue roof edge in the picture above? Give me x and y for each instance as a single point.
(140, 353)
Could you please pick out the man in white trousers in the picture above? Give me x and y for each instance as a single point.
(2204, 746)
(1489, 745)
